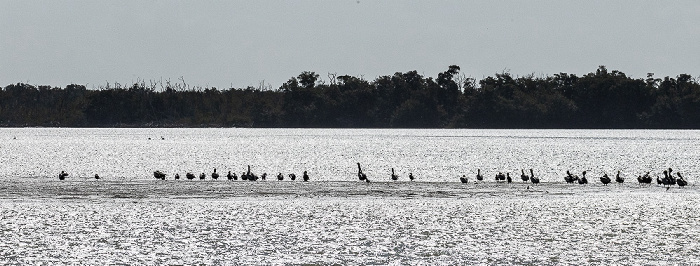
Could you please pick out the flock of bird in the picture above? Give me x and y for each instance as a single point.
(249, 176)
(668, 179)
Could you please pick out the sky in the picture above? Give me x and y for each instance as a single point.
(231, 43)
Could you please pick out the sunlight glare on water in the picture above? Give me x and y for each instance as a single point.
(129, 218)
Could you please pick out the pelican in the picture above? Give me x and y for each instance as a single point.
(583, 179)
(177, 176)
(410, 176)
(214, 175)
(618, 178)
(464, 179)
(523, 176)
(394, 176)
(280, 177)
(244, 176)
(478, 175)
(569, 178)
(533, 179)
(508, 179)
(97, 176)
(229, 175)
(62, 175)
(292, 177)
(159, 175)
(500, 176)
(305, 177)
(681, 181)
(605, 179)
(360, 174)
(263, 176)
(189, 176)
(202, 176)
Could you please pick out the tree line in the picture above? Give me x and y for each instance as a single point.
(601, 99)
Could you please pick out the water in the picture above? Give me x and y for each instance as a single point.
(129, 218)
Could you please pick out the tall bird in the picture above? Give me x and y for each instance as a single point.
(214, 175)
(508, 179)
(362, 176)
(523, 176)
(464, 179)
(533, 179)
(605, 179)
(229, 176)
(618, 178)
(394, 176)
(305, 177)
(410, 176)
(583, 179)
(478, 175)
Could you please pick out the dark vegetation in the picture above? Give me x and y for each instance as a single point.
(603, 99)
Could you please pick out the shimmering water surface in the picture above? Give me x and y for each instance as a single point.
(129, 218)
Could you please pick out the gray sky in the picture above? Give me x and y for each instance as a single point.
(240, 43)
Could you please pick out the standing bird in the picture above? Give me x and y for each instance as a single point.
(478, 175)
(202, 176)
(523, 176)
(605, 179)
(292, 176)
(229, 175)
(360, 174)
(394, 176)
(263, 176)
(569, 178)
(464, 179)
(280, 177)
(618, 178)
(681, 181)
(410, 176)
(533, 179)
(214, 175)
(583, 179)
(305, 177)
(177, 176)
(508, 179)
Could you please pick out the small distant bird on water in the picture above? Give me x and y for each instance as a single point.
(202, 176)
(478, 175)
(159, 175)
(605, 179)
(62, 175)
(97, 176)
(280, 176)
(177, 176)
(394, 176)
(214, 175)
(410, 176)
(464, 179)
